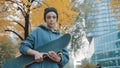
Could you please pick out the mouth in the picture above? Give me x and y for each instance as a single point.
(52, 23)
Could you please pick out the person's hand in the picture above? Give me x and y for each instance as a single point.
(52, 55)
(38, 56)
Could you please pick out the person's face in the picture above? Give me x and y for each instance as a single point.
(51, 19)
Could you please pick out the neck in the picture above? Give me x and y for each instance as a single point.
(50, 28)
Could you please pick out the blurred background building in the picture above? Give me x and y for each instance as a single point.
(106, 35)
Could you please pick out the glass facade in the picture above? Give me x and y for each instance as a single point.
(107, 50)
(106, 35)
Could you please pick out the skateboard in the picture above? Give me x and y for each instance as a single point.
(23, 61)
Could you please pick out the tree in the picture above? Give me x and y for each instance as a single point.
(114, 5)
(24, 15)
(81, 25)
(3, 10)
(9, 15)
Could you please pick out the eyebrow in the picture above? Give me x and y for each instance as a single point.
(51, 16)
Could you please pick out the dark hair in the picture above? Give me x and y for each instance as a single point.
(50, 9)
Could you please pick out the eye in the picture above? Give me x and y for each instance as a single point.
(48, 17)
(54, 17)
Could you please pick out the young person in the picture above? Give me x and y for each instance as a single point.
(42, 35)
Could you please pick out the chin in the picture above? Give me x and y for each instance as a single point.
(51, 26)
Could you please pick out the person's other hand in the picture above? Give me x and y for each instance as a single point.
(38, 56)
(52, 55)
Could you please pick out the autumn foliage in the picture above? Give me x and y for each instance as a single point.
(22, 16)
(115, 6)
(64, 7)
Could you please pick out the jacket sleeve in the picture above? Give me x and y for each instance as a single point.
(27, 44)
(64, 58)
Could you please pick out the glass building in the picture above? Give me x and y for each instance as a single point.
(106, 35)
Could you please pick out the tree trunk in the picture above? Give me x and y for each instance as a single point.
(26, 26)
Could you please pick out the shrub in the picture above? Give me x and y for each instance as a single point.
(7, 51)
(87, 65)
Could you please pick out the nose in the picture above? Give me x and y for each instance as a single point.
(51, 19)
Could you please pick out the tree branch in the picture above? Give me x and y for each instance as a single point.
(20, 7)
(14, 33)
(19, 24)
(23, 11)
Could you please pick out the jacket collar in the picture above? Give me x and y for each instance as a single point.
(48, 29)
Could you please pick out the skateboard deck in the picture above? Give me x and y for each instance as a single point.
(24, 60)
